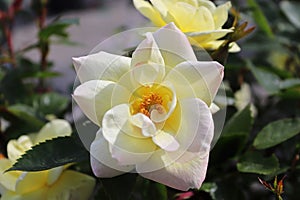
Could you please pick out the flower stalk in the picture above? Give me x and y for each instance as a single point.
(43, 43)
(6, 20)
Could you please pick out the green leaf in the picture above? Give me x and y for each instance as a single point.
(25, 113)
(254, 162)
(120, 187)
(147, 190)
(210, 188)
(227, 148)
(52, 153)
(2, 74)
(289, 83)
(157, 191)
(276, 133)
(239, 124)
(50, 103)
(291, 10)
(234, 135)
(260, 18)
(46, 74)
(57, 28)
(12, 87)
(270, 81)
(291, 93)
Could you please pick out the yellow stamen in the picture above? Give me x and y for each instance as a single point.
(1, 156)
(149, 100)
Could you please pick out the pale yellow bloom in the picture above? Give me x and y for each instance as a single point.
(54, 184)
(200, 20)
(153, 109)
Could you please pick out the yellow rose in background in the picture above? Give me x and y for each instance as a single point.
(54, 184)
(200, 20)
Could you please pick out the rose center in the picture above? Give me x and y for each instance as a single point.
(148, 98)
(148, 102)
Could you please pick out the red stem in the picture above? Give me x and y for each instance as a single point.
(8, 36)
(44, 45)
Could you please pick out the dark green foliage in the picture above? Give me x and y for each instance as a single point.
(52, 153)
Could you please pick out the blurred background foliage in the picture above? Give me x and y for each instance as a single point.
(257, 155)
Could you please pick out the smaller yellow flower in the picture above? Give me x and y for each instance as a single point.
(243, 98)
(200, 20)
(54, 184)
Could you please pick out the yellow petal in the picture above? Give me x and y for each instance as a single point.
(184, 14)
(101, 65)
(53, 129)
(190, 18)
(162, 6)
(173, 52)
(54, 174)
(233, 47)
(16, 148)
(147, 62)
(146, 9)
(221, 14)
(208, 4)
(147, 52)
(127, 144)
(214, 108)
(103, 165)
(95, 97)
(203, 20)
(30, 181)
(7, 180)
(33, 195)
(194, 134)
(196, 79)
(182, 174)
(191, 2)
(165, 141)
(200, 38)
(72, 185)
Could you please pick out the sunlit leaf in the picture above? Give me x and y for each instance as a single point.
(255, 162)
(52, 153)
(276, 133)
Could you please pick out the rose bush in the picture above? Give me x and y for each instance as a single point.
(55, 183)
(200, 20)
(153, 109)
